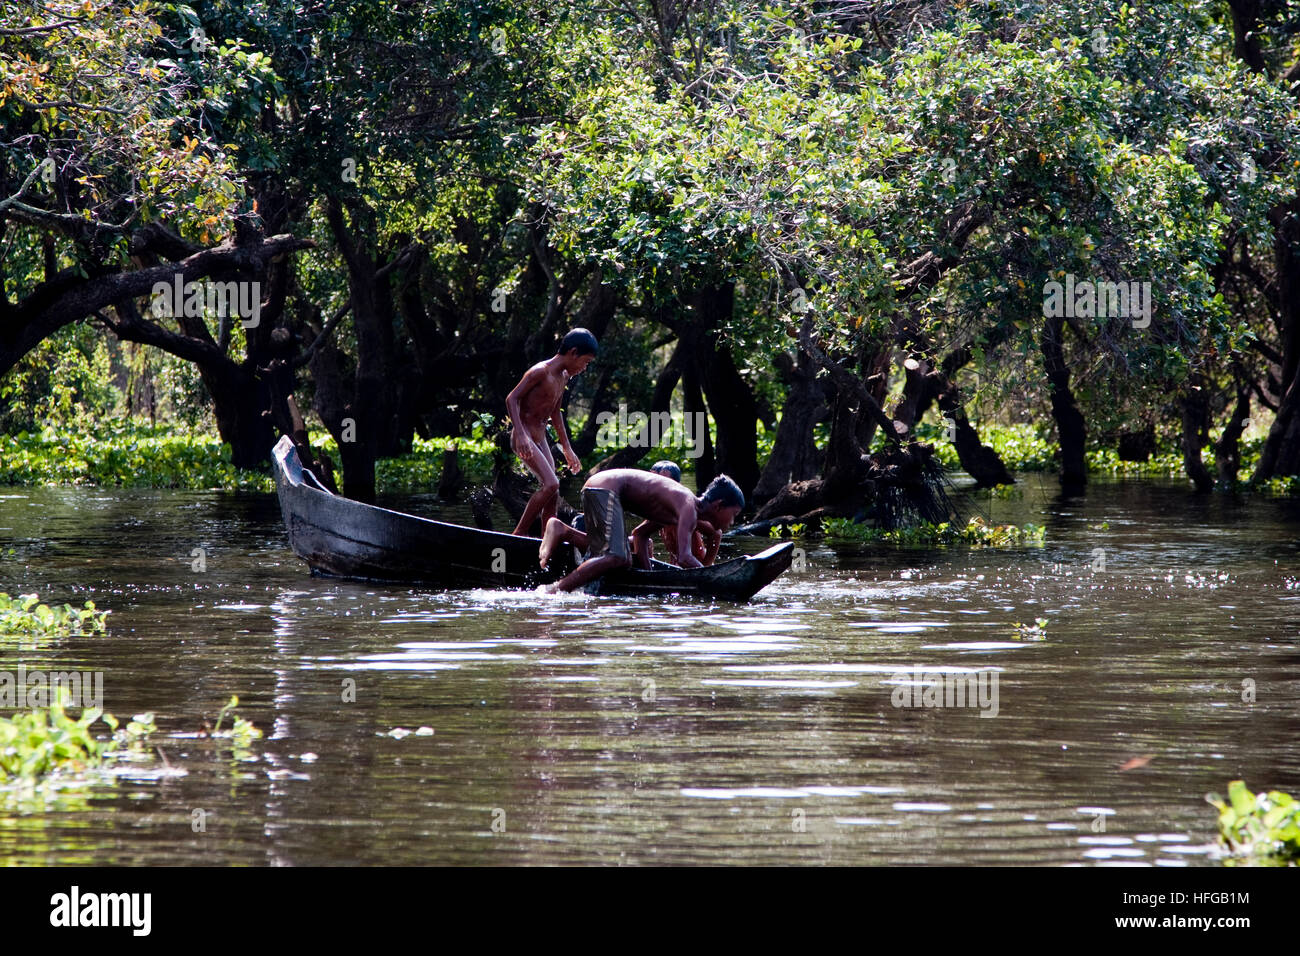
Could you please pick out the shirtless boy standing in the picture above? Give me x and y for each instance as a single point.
(533, 404)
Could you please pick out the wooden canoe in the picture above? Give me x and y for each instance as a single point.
(340, 537)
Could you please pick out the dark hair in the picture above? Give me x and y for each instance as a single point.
(668, 469)
(580, 339)
(724, 491)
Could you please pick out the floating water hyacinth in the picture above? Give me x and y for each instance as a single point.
(38, 742)
(1263, 828)
(26, 615)
(976, 531)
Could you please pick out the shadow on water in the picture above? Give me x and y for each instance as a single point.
(644, 730)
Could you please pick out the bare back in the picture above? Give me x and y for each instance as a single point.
(654, 497)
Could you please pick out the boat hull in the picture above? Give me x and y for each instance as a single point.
(340, 537)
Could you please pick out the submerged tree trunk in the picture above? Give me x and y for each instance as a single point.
(366, 427)
(1195, 415)
(1227, 451)
(1070, 425)
(693, 403)
(1281, 453)
(980, 461)
(241, 405)
(900, 483)
(925, 385)
(794, 452)
(730, 399)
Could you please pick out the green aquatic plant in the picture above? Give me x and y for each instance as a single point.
(976, 532)
(241, 733)
(1006, 492)
(1263, 827)
(133, 738)
(1028, 447)
(1282, 485)
(26, 615)
(1031, 632)
(1022, 447)
(123, 453)
(38, 742)
(787, 530)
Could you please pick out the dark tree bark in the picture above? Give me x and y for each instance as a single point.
(925, 385)
(68, 296)
(980, 461)
(1196, 416)
(875, 364)
(1245, 20)
(1070, 425)
(693, 405)
(1281, 453)
(278, 377)
(731, 400)
(917, 386)
(794, 452)
(1227, 451)
(845, 464)
(584, 442)
(367, 426)
(357, 431)
(452, 478)
(1137, 444)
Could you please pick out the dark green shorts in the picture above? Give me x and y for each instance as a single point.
(603, 517)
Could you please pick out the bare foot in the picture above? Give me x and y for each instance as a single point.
(550, 537)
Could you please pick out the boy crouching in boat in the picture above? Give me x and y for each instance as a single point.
(533, 404)
(668, 534)
(643, 556)
(662, 501)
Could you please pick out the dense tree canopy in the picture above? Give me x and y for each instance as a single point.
(818, 220)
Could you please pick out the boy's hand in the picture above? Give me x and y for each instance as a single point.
(572, 461)
(524, 448)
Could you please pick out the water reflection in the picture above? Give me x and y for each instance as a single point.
(632, 730)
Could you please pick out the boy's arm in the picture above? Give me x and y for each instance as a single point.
(640, 541)
(644, 530)
(685, 528)
(669, 537)
(711, 540)
(570, 459)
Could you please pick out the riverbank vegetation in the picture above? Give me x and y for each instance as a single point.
(138, 453)
(856, 244)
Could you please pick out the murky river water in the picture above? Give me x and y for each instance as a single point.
(608, 730)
